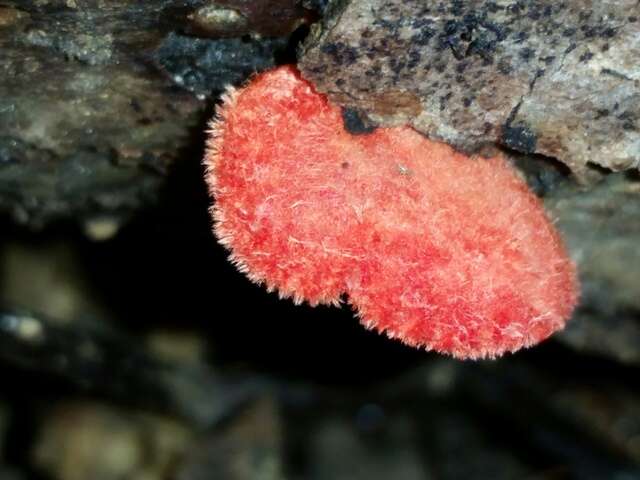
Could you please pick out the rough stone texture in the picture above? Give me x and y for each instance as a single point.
(602, 229)
(90, 116)
(555, 78)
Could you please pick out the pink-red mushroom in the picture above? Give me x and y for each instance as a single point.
(434, 248)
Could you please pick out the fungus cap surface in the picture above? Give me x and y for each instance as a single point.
(432, 247)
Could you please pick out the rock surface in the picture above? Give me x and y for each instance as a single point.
(602, 229)
(556, 78)
(90, 117)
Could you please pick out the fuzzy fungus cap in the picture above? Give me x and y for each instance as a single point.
(434, 248)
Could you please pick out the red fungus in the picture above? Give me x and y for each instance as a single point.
(432, 247)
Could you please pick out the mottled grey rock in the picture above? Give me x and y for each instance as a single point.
(557, 78)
